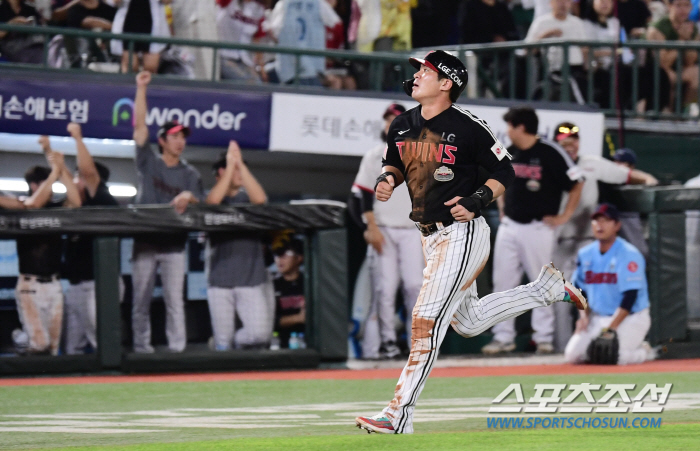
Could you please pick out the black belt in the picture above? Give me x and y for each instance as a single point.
(428, 228)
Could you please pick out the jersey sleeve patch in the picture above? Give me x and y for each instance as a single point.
(500, 151)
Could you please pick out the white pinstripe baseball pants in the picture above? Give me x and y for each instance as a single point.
(455, 256)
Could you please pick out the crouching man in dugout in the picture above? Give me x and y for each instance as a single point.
(611, 273)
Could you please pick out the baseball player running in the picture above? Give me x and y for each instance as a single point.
(437, 149)
(394, 252)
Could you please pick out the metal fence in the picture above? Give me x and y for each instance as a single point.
(627, 79)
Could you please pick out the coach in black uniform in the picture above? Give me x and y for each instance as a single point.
(526, 236)
(80, 304)
(437, 149)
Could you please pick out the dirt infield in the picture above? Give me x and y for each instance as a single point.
(662, 366)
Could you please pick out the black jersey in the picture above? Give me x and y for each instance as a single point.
(78, 265)
(40, 254)
(542, 173)
(290, 299)
(440, 158)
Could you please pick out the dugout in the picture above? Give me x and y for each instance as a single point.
(671, 227)
(321, 222)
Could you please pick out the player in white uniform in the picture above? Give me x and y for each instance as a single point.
(394, 252)
(577, 233)
(612, 274)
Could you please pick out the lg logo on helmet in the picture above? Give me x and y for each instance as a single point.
(447, 71)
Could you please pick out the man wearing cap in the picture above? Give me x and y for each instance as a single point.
(576, 233)
(611, 273)
(290, 301)
(438, 149)
(530, 215)
(164, 179)
(394, 252)
(238, 283)
(632, 228)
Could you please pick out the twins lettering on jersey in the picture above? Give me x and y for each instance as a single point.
(528, 171)
(600, 277)
(426, 152)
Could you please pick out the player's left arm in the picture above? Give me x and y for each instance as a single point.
(631, 279)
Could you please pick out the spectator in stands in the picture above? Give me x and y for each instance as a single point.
(433, 23)
(484, 21)
(562, 25)
(167, 179)
(337, 75)
(20, 47)
(634, 17)
(290, 302)
(238, 282)
(542, 7)
(677, 27)
(395, 31)
(196, 20)
(142, 17)
(91, 14)
(611, 273)
(39, 293)
(283, 24)
(601, 25)
(240, 21)
(80, 305)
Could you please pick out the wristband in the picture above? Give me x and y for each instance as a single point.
(384, 178)
(477, 201)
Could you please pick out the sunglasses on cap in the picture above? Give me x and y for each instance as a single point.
(567, 130)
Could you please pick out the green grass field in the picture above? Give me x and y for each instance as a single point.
(317, 415)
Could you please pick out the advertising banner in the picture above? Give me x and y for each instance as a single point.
(352, 125)
(107, 111)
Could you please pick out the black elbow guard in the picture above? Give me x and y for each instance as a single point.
(477, 201)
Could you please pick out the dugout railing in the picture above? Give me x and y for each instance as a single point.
(513, 70)
(325, 264)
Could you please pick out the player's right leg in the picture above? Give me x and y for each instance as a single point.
(53, 292)
(385, 277)
(577, 347)
(631, 333)
(28, 308)
(221, 310)
(143, 276)
(455, 255)
(257, 316)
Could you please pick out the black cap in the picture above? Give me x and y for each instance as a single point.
(394, 110)
(565, 130)
(280, 247)
(625, 155)
(447, 64)
(172, 127)
(608, 210)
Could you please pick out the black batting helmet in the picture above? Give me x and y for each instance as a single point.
(446, 64)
